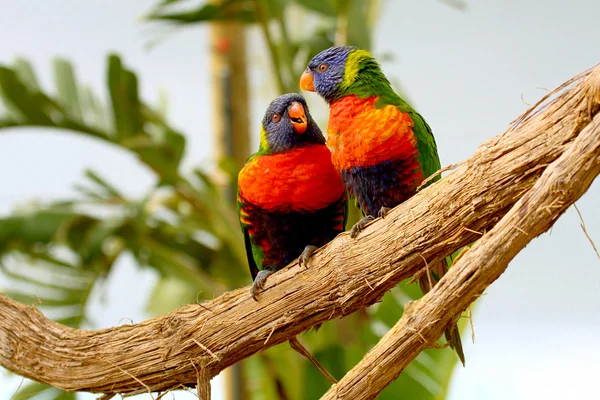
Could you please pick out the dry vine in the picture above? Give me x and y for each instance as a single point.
(196, 341)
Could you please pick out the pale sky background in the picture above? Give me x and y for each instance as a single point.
(537, 327)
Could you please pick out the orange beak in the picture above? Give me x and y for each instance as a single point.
(306, 81)
(298, 117)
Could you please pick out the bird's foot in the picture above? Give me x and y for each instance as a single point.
(259, 282)
(306, 254)
(360, 225)
(383, 211)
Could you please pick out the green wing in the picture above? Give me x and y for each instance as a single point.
(428, 153)
(345, 216)
(372, 82)
(250, 254)
(252, 251)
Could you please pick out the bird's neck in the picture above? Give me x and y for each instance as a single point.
(369, 82)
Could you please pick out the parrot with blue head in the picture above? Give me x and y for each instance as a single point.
(381, 146)
(291, 199)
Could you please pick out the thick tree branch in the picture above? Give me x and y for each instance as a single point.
(423, 322)
(163, 353)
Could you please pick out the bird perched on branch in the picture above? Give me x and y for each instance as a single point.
(382, 147)
(291, 200)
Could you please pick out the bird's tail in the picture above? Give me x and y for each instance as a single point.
(453, 338)
(427, 282)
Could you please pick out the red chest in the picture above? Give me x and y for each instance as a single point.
(300, 180)
(363, 135)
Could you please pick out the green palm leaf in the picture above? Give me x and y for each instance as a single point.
(53, 255)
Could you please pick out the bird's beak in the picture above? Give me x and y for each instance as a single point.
(306, 81)
(298, 117)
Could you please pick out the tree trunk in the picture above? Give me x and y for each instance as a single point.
(230, 123)
(230, 93)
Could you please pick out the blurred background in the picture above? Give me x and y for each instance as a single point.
(123, 125)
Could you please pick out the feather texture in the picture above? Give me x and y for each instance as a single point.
(375, 150)
(287, 201)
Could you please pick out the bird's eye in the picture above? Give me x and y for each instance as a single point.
(275, 118)
(323, 67)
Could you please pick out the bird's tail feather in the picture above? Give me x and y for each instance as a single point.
(427, 282)
(453, 337)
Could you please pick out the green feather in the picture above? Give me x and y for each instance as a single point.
(254, 253)
(369, 81)
(363, 78)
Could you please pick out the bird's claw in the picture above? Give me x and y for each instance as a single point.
(306, 254)
(259, 282)
(383, 211)
(360, 225)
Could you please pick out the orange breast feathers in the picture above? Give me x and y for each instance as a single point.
(299, 180)
(361, 135)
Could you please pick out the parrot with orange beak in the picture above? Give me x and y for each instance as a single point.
(382, 147)
(291, 199)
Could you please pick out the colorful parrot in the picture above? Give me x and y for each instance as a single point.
(382, 147)
(291, 200)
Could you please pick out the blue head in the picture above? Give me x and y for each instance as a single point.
(288, 125)
(338, 71)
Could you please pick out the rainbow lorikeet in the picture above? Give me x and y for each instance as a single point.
(291, 200)
(382, 147)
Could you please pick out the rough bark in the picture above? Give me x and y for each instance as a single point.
(423, 321)
(346, 275)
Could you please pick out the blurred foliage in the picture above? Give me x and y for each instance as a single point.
(294, 30)
(54, 254)
(317, 24)
(184, 227)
